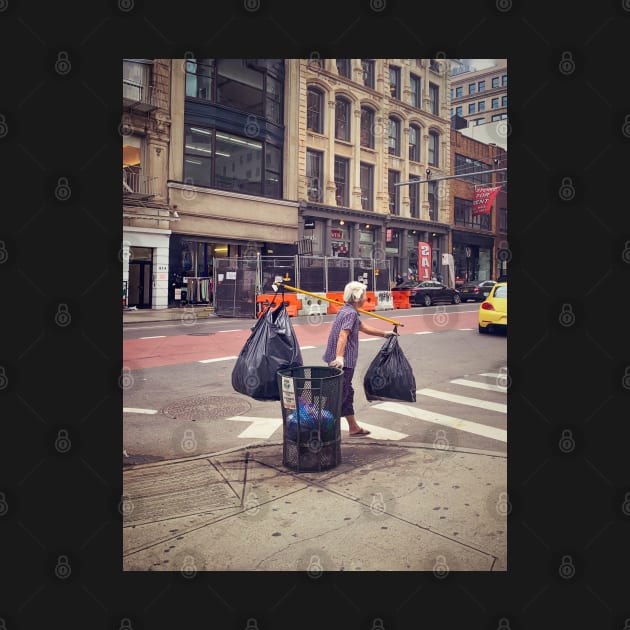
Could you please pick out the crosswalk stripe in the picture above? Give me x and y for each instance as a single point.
(154, 337)
(494, 374)
(307, 347)
(424, 332)
(218, 359)
(447, 421)
(487, 386)
(136, 410)
(464, 400)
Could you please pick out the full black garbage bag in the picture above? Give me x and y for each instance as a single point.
(271, 346)
(389, 376)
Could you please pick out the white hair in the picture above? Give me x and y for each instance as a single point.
(353, 292)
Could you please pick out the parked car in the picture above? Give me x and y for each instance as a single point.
(477, 291)
(493, 310)
(429, 292)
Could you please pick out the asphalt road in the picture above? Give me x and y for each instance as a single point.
(178, 399)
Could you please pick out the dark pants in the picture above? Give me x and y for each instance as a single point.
(347, 395)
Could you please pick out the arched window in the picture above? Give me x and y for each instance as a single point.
(394, 136)
(367, 127)
(315, 110)
(342, 118)
(414, 143)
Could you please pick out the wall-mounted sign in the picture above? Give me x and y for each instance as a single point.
(336, 234)
(161, 268)
(389, 235)
(424, 261)
(309, 224)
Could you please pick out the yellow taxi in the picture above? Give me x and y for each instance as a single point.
(493, 310)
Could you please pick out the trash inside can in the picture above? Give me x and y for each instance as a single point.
(311, 422)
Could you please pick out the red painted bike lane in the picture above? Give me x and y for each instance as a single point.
(191, 348)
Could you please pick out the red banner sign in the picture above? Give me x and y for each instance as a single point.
(483, 199)
(424, 261)
(336, 234)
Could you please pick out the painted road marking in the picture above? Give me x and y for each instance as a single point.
(464, 400)
(307, 347)
(447, 421)
(136, 410)
(494, 374)
(486, 386)
(424, 332)
(218, 359)
(379, 433)
(233, 330)
(465, 329)
(259, 427)
(371, 339)
(154, 337)
(264, 428)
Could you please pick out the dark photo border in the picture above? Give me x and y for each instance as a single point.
(61, 351)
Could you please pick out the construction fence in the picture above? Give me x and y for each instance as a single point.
(242, 286)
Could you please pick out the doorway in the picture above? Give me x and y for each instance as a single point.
(139, 292)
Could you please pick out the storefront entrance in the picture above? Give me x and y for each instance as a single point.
(140, 277)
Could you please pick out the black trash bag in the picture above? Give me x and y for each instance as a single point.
(272, 346)
(389, 376)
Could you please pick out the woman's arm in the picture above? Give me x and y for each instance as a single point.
(368, 330)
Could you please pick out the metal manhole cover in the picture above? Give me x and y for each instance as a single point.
(206, 408)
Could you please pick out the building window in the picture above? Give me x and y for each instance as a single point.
(344, 68)
(498, 117)
(314, 110)
(414, 143)
(434, 98)
(459, 110)
(434, 148)
(416, 95)
(471, 88)
(471, 108)
(465, 166)
(459, 91)
(494, 103)
(394, 137)
(504, 80)
(393, 177)
(481, 106)
(394, 82)
(342, 119)
(210, 154)
(239, 86)
(368, 72)
(367, 186)
(433, 200)
(482, 86)
(198, 156)
(478, 121)
(341, 181)
(414, 201)
(504, 101)
(199, 78)
(367, 127)
(495, 82)
(314, 161)
(134, 180)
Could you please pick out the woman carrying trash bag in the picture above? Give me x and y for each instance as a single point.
(342, 350)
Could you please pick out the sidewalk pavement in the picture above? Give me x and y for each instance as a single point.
(142, 315)
(384, 507)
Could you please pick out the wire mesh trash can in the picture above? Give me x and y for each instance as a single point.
(311, 421)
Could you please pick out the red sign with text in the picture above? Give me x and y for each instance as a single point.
(424, 261)
(483, 199)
